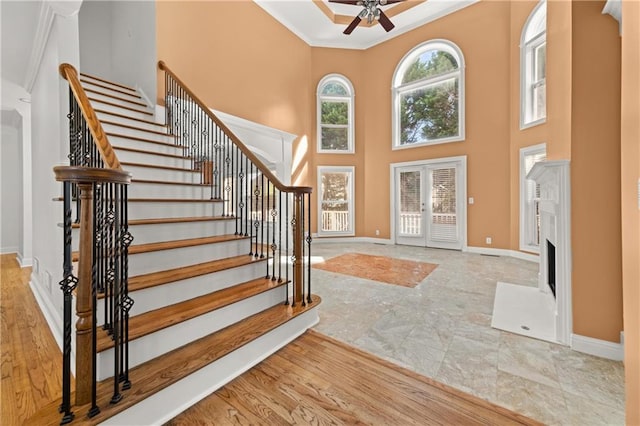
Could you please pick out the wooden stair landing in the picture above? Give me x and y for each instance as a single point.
(155, 375)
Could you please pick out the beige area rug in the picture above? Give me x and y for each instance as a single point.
(406, 273)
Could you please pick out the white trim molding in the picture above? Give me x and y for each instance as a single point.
(48, 310)
(351, 200)
(345, 240)
(597, 347)
(24, 262)
(48, 11)
(349, 98)
(503, 252)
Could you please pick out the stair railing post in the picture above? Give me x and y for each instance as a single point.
(84, 356)
(298, 242)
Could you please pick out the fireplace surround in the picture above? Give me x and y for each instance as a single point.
(555, 237)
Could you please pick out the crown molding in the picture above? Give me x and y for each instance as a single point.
(49, 9)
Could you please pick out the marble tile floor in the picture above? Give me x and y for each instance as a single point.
(442, 329)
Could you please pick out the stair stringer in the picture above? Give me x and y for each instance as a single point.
(172, 400)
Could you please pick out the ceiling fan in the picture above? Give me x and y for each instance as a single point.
(371, 11)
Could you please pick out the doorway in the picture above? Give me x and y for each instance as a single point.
(428, 208)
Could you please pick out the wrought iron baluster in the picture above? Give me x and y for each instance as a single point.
(265, 223)
(262, 217)
(286, 271)
(274, 217)
(97, 241)
(67, 285)
(256, 224)
(117, 396)
(280, 237)
(309, 247)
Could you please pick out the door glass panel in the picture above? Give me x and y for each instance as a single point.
(410, 203)
(443, 223)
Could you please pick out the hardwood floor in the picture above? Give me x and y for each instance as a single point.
(314, 380)
(31, 358)
(319, 380)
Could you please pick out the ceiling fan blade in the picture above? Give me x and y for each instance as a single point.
(354, 2)
(385, 22)
(352, 26)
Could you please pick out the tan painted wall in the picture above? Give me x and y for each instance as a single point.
(487, 113)
(261, 75)
(595, 171)
(520, 11)
(630, 211)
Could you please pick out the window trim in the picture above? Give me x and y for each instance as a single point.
(525, 152)
(351, 201)
(349, 98)
(527, 65)
(397, 88)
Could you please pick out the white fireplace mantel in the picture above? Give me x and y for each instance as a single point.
(555, 227)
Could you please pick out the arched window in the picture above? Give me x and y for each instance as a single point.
(428, 95)
(533, 69)
(335, 115)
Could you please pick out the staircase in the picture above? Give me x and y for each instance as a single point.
(206, 306)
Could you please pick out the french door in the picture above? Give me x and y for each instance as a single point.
(429, 205)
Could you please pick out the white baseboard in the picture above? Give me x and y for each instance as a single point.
(8, 250)
(317, 239)
(48, 310)
(24, 262)
(503, 252)
(597, 347)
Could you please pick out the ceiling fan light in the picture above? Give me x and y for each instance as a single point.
(383, 2)
(363, 14)
(370, 18)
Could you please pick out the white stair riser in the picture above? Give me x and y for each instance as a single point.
(158, 190)
(126, 131)
(163, 341)
(151, 159)
(111, 90)
(145, 263)
(125, 103)
(151, 298)
(106, 83)
(166, 175)
(125, 142)
(96, 104)
(153, 233)
(172, 400)
(129, 122)
(157, 210)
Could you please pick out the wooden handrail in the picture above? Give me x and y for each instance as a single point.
(69, 73)
(91, 175)
(245, 150)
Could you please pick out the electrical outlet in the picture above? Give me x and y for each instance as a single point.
(488, 240)
(471, 200)
(377, 232)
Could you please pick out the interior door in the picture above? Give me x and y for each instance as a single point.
(428, 201)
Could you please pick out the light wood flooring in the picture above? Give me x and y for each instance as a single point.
(314, 380)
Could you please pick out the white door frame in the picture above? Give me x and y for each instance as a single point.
(461, 186)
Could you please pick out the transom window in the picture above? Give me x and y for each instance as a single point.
(533, 68)
(428, 96)
(335, 115)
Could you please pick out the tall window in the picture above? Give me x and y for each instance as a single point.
(533, 68)
(530, 198)
(336, 199)
(428, 96)
(335, 115)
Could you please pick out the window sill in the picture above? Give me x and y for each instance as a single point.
(330, 151)
(423, 144)
(524, 126)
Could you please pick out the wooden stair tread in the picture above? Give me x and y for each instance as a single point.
(152, 279)
(119, 106)
(158, 319)
(129, 93)
(155, 166)
(159, 373)
(142, 104)
(140, 120)
(174, 244)
(104, 80)
(137, 138)
(127, 126)
(164, 182)
(155, 221)
(143, 151)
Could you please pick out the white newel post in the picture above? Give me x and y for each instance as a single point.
(555, 227)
